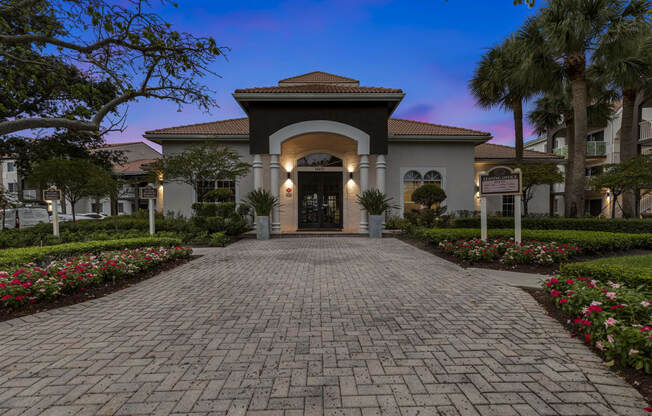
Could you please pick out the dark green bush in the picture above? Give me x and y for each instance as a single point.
(20, 256)
(616, 225)
(588, 241)
(219, 240)
(634, 277)
(204, 209)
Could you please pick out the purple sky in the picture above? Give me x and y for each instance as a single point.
(428, 48)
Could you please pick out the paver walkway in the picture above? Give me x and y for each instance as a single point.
(316, 325)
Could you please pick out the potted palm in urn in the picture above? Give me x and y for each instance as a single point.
(376, 204)
(262, 202)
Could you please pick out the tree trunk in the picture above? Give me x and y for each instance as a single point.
(628, 147)
(614, 197)
(72, 210)
(568, 177)
(518, 130)
(577, 67)
(525, 201)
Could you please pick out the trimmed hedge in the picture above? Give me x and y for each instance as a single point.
(19, 256)
(588, 241)
(634, 277)
(616, 225)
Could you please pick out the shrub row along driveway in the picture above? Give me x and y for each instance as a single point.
(329, 325)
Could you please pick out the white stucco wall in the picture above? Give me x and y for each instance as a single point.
(179, 197)
(453, 160)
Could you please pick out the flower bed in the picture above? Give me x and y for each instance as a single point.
(615, 319)
(508, 252)
(32, 284)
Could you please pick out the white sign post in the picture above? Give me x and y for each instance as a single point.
(151, 194)
(501, 181)
(54, 195)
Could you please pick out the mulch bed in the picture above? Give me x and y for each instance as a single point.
(638, 379)
(93, 292)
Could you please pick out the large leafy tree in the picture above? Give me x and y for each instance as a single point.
(624, 60)
(199, 164)
(72, 64)
(535, 174)
(569, 30)
(631, 175)
(76, 178)
(497, 82)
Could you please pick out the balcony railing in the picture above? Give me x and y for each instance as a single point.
(596, 149)
(645, 130)
(593, 149)
(561, 151)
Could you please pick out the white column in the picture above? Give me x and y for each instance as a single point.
(517, 218)
(258, 171)
(483, 218)
(381, 166)
(274, 168)
(364, 183)
(150, 206)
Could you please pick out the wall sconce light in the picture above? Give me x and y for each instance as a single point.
(351, 175)
(289, 175)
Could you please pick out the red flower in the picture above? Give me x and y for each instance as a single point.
(648, 409)
(570, 281)
(620, 305)
(563, 300)
(646, 328)
(587, 336)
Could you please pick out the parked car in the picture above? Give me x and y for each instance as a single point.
(91, 216)
(24, 217)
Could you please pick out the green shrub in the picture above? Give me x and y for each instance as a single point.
(236, 225)
(225, 209)
(396, 223)
(19, 256)
(632, 276)
(616, 225)
(219, 240)
(588, 241)
(204, 209)
(428, 195)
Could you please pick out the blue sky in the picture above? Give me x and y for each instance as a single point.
(428, 48)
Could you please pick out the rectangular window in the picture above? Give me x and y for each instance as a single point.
(121, 207)
(11, 166)
(598, 136)
(508, 206)
(207, 186)
(13, 187)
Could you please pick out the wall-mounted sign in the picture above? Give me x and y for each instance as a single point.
(500, 181)
(148, 192)
(51, 194)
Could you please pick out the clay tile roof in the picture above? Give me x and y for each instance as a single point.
(318, 89)
(402, 127)
(133, 166)
(234, 126)
(240, 127)
(498, 151)
(318, 77)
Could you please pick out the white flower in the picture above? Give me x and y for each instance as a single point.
(633, 351)
(645, 304)
(610, 322)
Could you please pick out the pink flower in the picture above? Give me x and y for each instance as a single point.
(610, 295)
(646, 328)
(633, 351)
(599, 345)
(645, 304)
(610, 339)
(610, 322)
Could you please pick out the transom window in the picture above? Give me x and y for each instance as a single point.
(324, 160)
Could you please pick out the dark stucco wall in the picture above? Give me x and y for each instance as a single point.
(265, 118)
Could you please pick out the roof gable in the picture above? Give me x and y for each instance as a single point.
(319, 77)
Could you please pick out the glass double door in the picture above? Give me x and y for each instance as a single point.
(320, 200)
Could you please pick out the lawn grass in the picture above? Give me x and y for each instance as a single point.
(642, 261)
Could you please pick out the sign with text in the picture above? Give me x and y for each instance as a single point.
(500, 181)
(51, 194)
(148, 192)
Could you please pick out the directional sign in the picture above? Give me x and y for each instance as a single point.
(500, 181)
(51, 194)
(148, 192)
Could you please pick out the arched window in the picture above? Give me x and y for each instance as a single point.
(411, 181)
(319, 160)
(432, 177)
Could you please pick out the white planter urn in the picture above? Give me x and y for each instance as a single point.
(262, 227)
(376, 226)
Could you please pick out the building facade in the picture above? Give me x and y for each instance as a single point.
(318, 140)
(602, 148)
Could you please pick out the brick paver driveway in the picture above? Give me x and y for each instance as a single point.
(328, 325)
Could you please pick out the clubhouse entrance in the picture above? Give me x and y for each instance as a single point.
(320, 200)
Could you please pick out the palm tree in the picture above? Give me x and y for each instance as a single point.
(623, 58)
(497, 82)
(568, 29)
